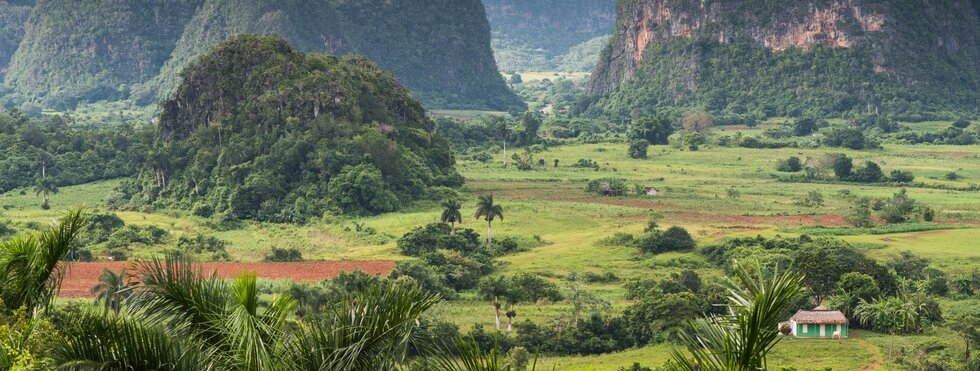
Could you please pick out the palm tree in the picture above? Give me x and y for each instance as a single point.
(46, 187)
(30, 268)
(894, 315)
(451, 215)
(486, 209)
(226, 317)
(366, 330)
(741, 339)
(177, 318)
(510, 319)
(493, 288)
(112, 289)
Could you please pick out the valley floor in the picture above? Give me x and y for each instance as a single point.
(550, 203)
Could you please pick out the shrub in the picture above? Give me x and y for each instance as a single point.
(284, 255)
(203, 210)
(429, 238)
(952, 176)
(586, 163)
(860, 214)
(790, 165)
(842, 167)
(870, 173)
(361, 189)
(617, 239)
(638, 148)
(961, 124)
(902, 176)
(812, 199)
(607, 187)
(201, 243)
(531, 288)
(733, 193)
(673, 239)
(899, 208)
(5, 229)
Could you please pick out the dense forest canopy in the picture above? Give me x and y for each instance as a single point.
(545, 35)
(106, 50)
(261, 131)
(65, 154)
(13, 16)
(745, 59)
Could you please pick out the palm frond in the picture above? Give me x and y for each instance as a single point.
(366, 330)
(31, 270)
(176, 292)
(102, 341)
(741, 339)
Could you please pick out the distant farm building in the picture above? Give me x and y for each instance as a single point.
(819, 323)
(651, 191)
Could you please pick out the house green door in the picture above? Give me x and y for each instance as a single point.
(830, 330)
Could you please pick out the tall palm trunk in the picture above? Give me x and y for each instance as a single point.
(496, 307)
(490, 234)
(452, 228)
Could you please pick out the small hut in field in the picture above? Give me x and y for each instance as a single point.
(821, 323)
(651, 191)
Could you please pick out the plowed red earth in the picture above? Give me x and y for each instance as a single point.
(81, 277)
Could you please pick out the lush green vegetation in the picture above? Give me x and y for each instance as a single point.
(56, 151)
(356, 144)
(575, 227)
(13, 16)
(74, 53)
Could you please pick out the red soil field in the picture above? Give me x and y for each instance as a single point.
(81, 277)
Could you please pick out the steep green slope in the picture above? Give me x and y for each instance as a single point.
(13, 16)
(93, 50)
(258, 130)
(751, 59)
(539, 34)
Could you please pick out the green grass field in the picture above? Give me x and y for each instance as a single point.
(551, 203)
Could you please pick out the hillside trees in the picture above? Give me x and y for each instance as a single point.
(338, 135)
(654, 129)
(55, 150)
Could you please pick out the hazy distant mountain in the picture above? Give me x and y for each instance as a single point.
(109, 50)
(549, 34)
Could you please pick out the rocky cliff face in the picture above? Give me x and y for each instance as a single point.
(909, 42)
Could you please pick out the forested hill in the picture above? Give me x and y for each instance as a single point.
(13, 16)
(549, 34)
(257, 130)
(754, 58)
(86, 51)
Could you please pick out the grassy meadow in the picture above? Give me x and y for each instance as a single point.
(550, 203)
